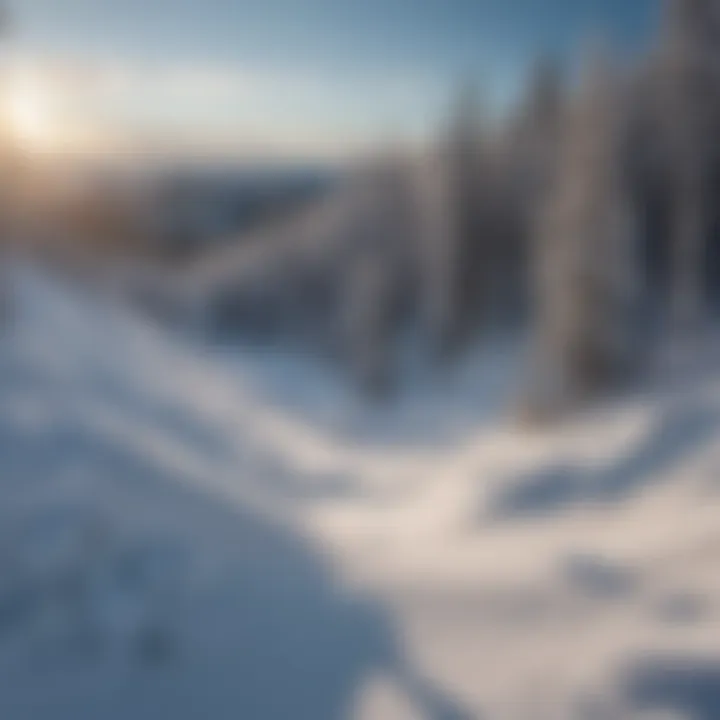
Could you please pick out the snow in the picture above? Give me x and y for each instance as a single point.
(192, 532)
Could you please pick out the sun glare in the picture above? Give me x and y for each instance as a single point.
(29, 111)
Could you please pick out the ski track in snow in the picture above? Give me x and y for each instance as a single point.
(188, 532)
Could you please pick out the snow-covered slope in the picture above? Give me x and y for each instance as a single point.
(194, 533)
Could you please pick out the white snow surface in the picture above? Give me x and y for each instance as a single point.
(189, 532)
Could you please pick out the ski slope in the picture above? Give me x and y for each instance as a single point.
(195, 532)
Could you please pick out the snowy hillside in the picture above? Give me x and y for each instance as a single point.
(197, 533)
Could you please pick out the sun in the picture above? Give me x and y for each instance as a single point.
(30, 116)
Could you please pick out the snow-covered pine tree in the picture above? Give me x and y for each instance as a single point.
(527, 151)
(456, 249)
(375, 275)
(533, 132)
(688, 62)
(584, 255)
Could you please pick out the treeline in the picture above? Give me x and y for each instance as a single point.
(624, 238)
(588, 219)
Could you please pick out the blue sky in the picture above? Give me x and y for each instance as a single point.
(306, 70)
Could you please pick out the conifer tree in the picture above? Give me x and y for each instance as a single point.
(528, 155)
(584, 255)
(456, 250)
(689, 117)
